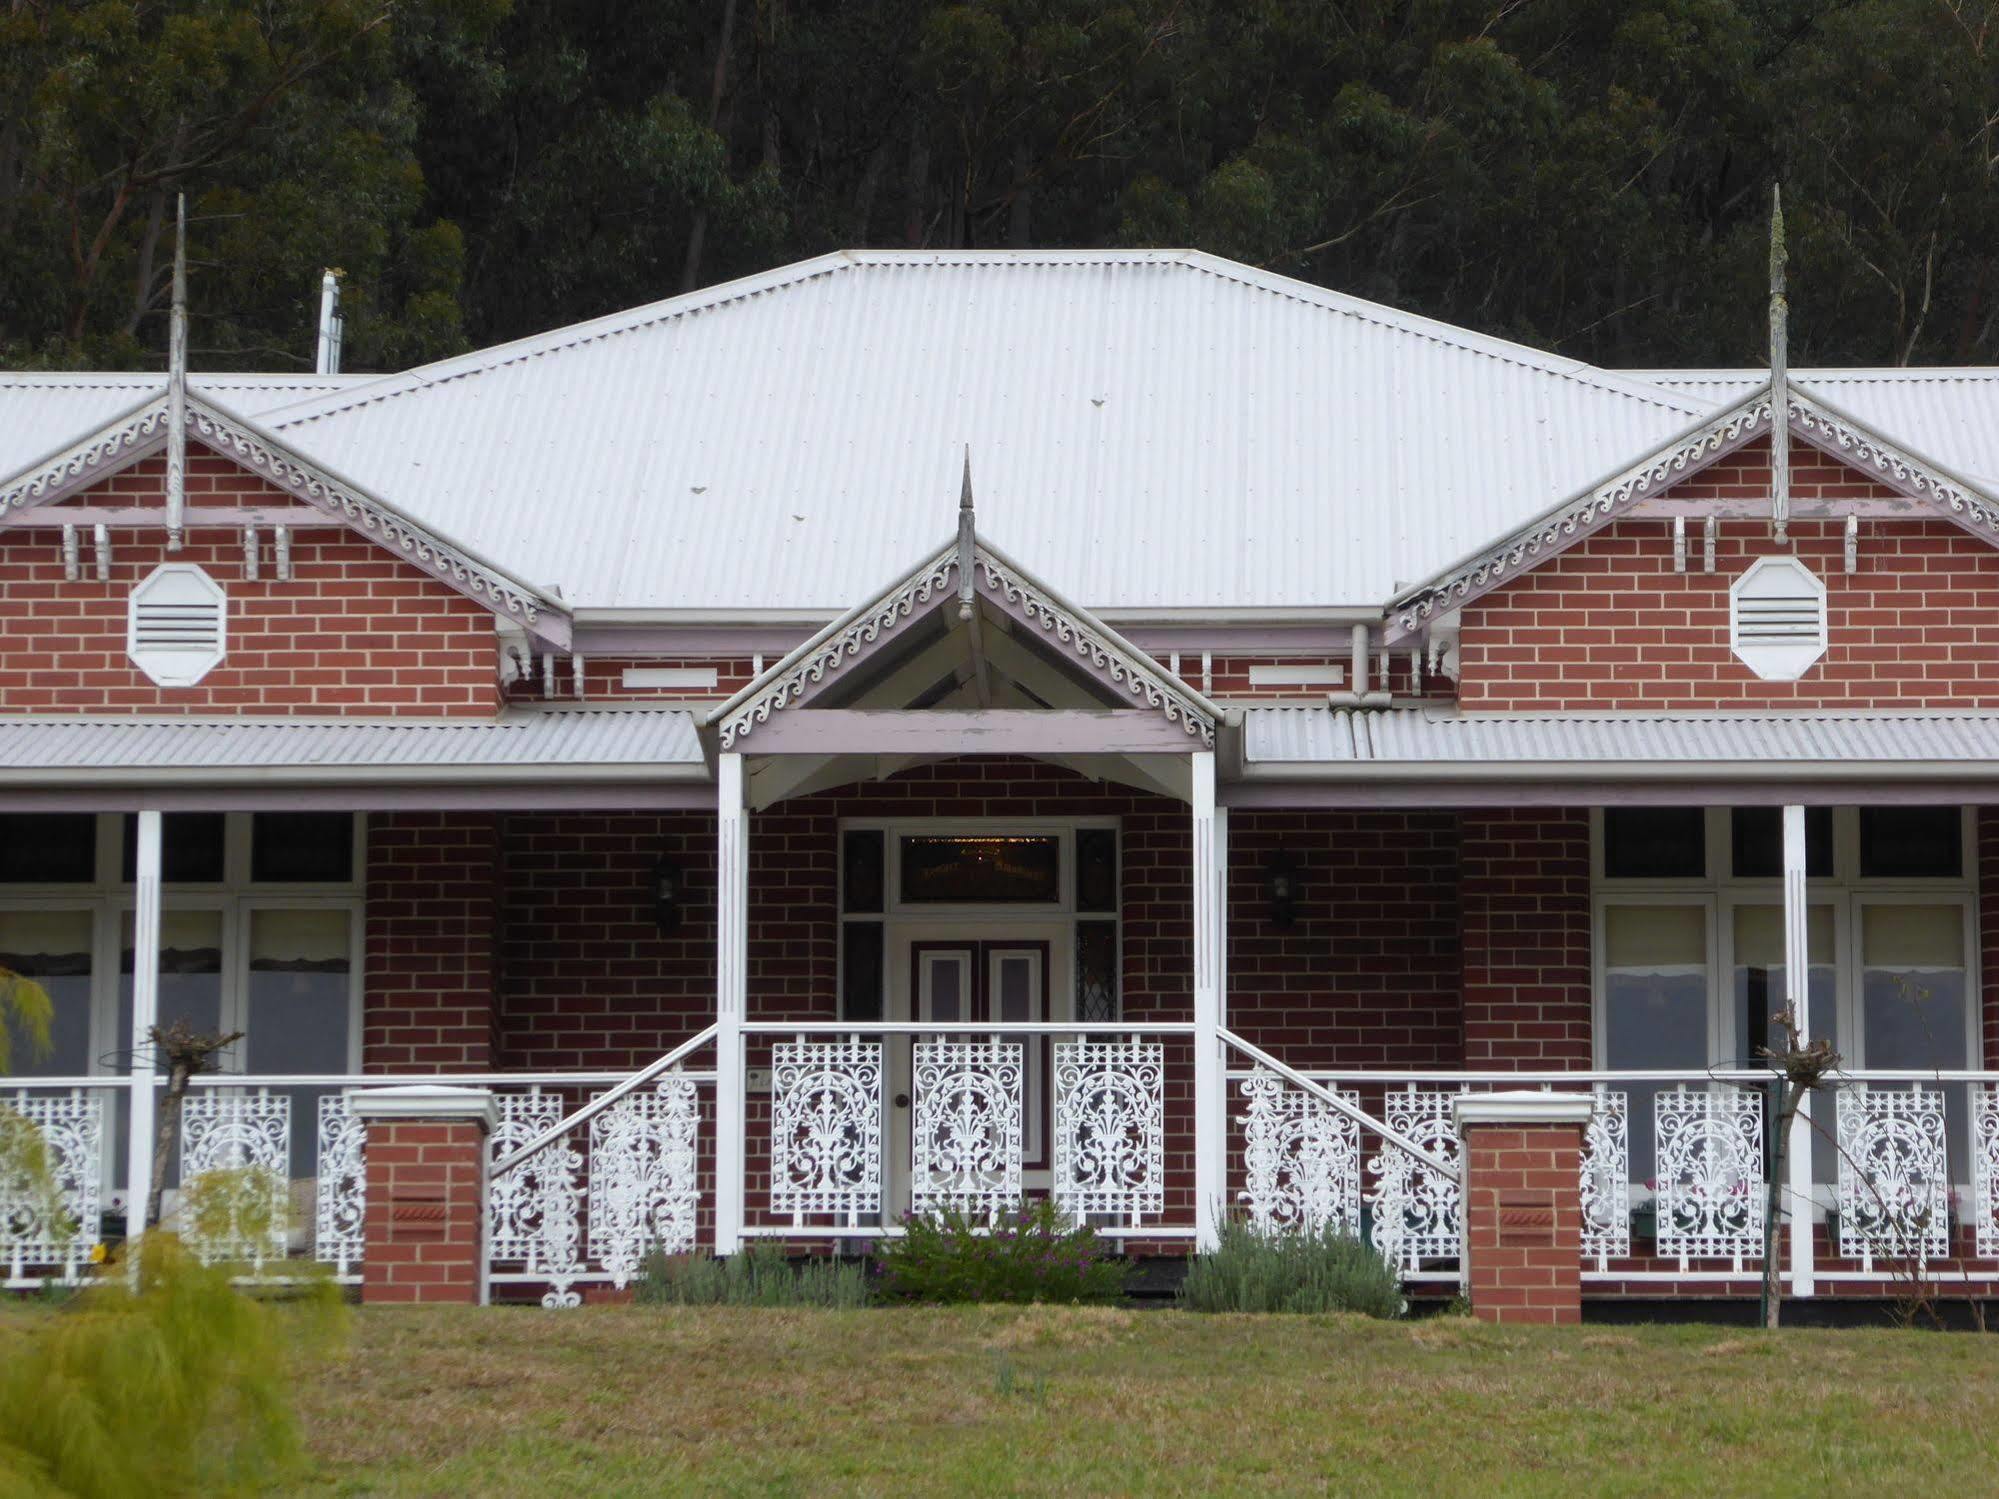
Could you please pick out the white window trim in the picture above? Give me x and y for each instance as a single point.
(109, 900)
(1845, 891)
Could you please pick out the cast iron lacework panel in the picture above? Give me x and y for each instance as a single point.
(1606, 1178)
(1301, 1160)
(340, 1195)
(1709, 1203)
(534, 1211)
(966, 1133)
(643, 1189)
(1416, 1210)
(1110, 1127)
(826, 1127)
(1894, 1184)
(51, 1217)
(1985, 1167)
(235, 1174)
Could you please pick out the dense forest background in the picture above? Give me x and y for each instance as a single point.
(1591, 176)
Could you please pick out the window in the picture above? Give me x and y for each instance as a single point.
(1756, 842)
(237, 952)
(1777, 619)
(1654, 843)
(1690, 966)
(982, 870)
(1911, 842)
(177, 625)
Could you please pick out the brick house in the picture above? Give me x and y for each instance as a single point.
(914, 730)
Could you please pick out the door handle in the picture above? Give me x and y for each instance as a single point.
(902, 1100)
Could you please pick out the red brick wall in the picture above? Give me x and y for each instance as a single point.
(424, 1223)
(1523, 1222)
(358, 630)
(1526, 901)
(1608, 624)
(1369, 974)
(432, 930)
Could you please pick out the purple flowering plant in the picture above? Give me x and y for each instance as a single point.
(1030, 1253)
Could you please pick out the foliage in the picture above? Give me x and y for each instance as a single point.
(1324, 1271)
(1030, 1255)
(25, 1006)
(180, 1386)
(759, 1276)
(248, 1204)
(1591, 178)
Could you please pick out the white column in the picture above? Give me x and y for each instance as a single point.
(145, 1015)
(732, 966)
(1210, 1083)
(1797, 999)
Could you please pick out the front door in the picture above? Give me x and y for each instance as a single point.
(989, 973)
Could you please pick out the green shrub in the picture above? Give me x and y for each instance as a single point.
(1029, 1255)
(183, 1386)
(759, 1276)
(1306, 1272)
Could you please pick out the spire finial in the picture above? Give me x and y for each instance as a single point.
(967, 539)
(1780, 388)
(177, 383)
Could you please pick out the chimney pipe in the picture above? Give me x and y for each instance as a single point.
(331, 324)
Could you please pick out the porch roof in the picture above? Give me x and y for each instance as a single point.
(595, 744)
(1338, 742)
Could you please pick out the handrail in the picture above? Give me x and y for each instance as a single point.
(1339, 1105)
(995, 1028)
(590, 1110)
(331, 1081)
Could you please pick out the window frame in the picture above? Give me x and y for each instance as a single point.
(1844, 890)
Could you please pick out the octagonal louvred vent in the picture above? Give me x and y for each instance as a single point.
(1777, 619)
(178, 626)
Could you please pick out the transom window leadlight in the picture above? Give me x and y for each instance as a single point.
(177, 625)
(1777, 619)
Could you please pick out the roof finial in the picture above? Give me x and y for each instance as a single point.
(967, 539)
(1780, 394)
(177, 383)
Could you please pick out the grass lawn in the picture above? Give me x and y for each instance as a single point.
(619, 1400)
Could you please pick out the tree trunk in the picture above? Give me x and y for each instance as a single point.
(697, 234)
(166, 1136)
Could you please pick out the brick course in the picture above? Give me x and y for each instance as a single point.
(423, 1228)
(1608, 624)
(1523, 1222)
(358, 631)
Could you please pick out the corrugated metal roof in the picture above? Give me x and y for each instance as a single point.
(41, 412)
(1948, 415)
(1418, 737)
(1147, 429)
(520, 739)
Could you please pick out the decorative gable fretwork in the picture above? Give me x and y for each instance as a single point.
(1714, 439)
(143, 431)
(1808, 418)
(1008, 588)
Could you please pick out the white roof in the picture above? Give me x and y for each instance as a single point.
(1949, 415)
(521, 741)
(1149, 429)
(40, 413)
(1780, 742)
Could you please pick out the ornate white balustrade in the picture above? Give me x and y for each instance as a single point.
(1606, 1179)
(965, 1135)
(51, 1173)
(235, 1174)
(1709, 1202)
(1110, 1128)
(340, 1194)
(1301, 1160)
(644, 1193)
(1417, 1211)
(1985, 1169)
(1894, 1178)
(826, 1127)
